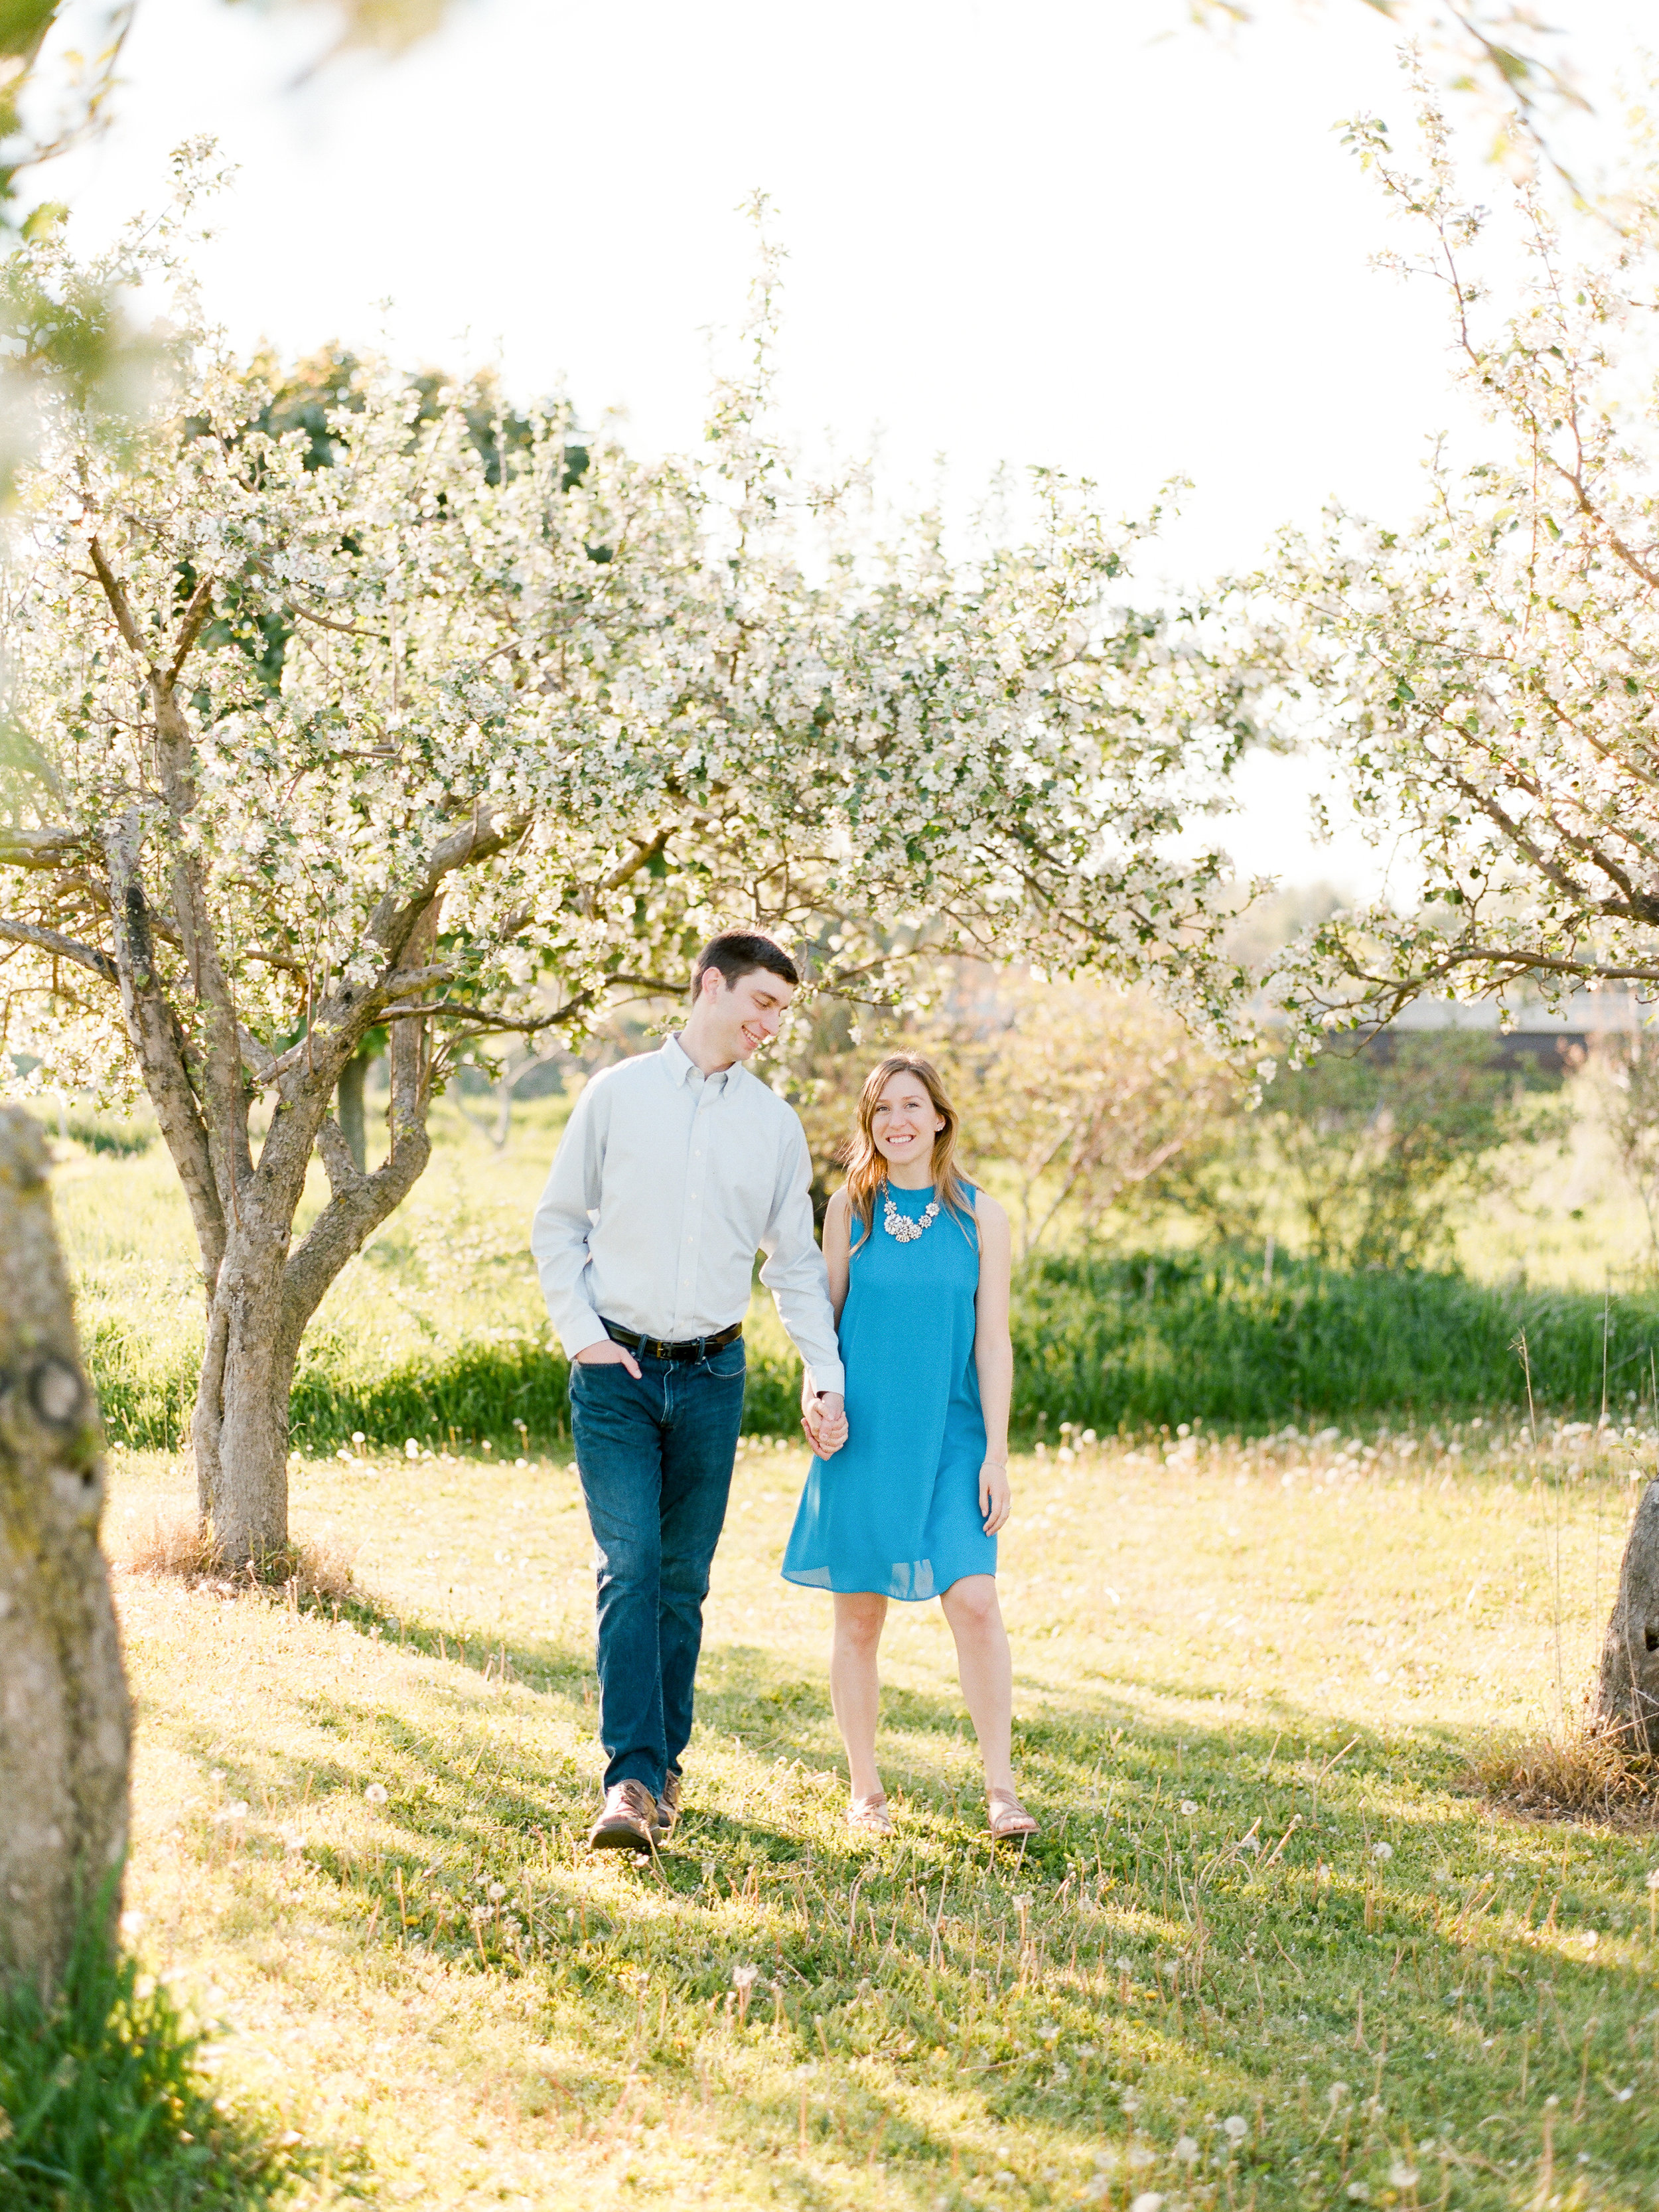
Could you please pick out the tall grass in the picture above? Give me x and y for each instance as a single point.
(1133, 1342)
(438, 1331)
(1119, 1344)
(516, 1394)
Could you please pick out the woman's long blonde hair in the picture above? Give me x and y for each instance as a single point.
(866, 1170)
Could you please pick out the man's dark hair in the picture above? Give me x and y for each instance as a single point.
(736, 953)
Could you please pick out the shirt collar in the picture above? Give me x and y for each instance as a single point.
(681, 1066)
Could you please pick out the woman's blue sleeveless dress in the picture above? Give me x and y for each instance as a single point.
(896, 1510)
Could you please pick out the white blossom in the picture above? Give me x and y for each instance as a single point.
(1485, 677)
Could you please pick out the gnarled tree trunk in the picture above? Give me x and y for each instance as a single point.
(263, 1297)
(1627, 1688)
(173, 961)
(65, 1724)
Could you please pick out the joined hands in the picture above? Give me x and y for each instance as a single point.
(824, 1420)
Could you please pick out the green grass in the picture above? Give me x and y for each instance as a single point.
(108, 2107)
(1133, 1342)
(1119, 1344)
(1249, 1680)
(438, 1331)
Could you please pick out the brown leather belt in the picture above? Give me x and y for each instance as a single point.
(652, 1347)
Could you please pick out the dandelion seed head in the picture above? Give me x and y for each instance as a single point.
(1237, 2127)
(1148, 2200)
(1186, 2149)
(1189, 1807)
(376, 1793)
(1382, 1850)
(497, 1893)
(1402, 2176)
(744, 1978)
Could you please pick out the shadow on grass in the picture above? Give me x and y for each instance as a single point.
(542, 1664)
(1206, 1918)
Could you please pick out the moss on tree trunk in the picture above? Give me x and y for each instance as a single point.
(65, 1723)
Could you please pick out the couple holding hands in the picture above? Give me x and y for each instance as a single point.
(675, 1169)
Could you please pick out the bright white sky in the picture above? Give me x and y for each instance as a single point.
(1070, 231)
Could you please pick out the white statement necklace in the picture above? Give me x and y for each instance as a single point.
(901, 1226)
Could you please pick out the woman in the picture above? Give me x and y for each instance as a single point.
(911, 1505)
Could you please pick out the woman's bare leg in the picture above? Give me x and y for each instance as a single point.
(854, 1689)
(986, 1670)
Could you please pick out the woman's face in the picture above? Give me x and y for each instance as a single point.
(905, 1120)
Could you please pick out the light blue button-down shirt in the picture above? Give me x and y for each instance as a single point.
(666, 1183)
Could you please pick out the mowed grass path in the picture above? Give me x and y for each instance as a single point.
(1269, 1950)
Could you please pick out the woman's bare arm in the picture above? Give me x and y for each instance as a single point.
(993, 1357)
(836, 1240)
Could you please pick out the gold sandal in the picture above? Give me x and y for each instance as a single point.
(869, 1816)
(1006, 1817)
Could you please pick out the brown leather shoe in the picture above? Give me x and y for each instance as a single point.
(668, 1805)
(628, 1822)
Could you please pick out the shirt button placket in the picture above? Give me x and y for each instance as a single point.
(689, 1284)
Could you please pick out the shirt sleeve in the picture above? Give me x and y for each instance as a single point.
(794, 1271)
(564, 1219)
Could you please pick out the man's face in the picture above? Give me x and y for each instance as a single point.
(746, 1016)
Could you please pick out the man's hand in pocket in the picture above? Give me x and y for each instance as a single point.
(607, 1352)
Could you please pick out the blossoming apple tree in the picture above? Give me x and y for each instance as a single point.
(460, 736)
(1485, 677)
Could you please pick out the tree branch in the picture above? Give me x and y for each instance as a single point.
(358, 1207)
(196, 615)
(485, 836)
(65, 948)
(642, 858)
(120, 606)
(39, 848)
(344, 1175)
(158, 1045)
(480, 1023)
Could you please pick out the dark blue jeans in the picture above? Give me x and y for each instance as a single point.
(654, 1459)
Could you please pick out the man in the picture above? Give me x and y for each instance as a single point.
(675, 1168)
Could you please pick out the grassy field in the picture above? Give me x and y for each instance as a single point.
(1271, 1948)
(437, 1330)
